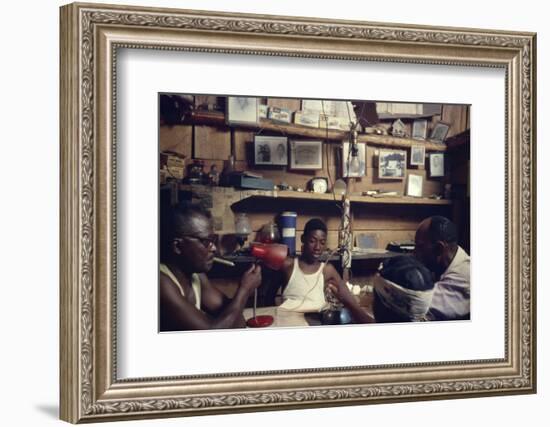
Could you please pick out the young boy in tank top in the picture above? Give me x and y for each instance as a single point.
(306, 275)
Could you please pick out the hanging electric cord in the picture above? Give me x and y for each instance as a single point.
(346, 236)
(327, 144)
(346, 217)
(353, 149)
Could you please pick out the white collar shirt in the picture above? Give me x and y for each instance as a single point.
(451, 299)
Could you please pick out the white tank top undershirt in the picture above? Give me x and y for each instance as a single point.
(305, 292)
(195, 284)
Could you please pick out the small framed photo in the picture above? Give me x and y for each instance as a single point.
(270, 150)
(242, 109)
(306, 119)
(418, 154)
(420, 129)
(277, 114)
(414, 185)
(392, 164)
(437, 165)
(350, 169)
(306, 154)
(262, 111)
(439, 132)
(333, 122)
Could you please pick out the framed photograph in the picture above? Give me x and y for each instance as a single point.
(353, 167)
(270, 150)
(420, 129)
(306, 154)
(414, 185)
(306, 119)
(242, 109)
(437, 165)
(392, 164)
(115, 60)
(439, 132)
(418, 155)
(263, 111)
(282, 115)
(341, 113)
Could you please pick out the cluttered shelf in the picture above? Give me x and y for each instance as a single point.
(379, 199)
(218, 119)
(374, 254)
(239, 195)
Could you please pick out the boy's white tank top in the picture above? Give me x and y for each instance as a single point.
(305, 292)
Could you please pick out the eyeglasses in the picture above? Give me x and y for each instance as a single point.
(207, 242)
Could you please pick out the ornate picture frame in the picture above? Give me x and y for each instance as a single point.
(91, 35)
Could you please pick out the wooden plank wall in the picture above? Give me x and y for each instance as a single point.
(387, 223)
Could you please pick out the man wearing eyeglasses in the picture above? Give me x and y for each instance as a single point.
(187, 299)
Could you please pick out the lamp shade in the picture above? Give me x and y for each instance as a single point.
(272, 254)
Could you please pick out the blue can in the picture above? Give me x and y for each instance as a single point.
(288, 231)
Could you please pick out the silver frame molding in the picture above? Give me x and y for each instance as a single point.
(90, 37)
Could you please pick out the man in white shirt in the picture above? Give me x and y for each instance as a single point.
(436, 246)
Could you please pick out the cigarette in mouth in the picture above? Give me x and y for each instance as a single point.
(224, 261)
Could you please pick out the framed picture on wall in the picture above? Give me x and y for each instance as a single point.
(414, 185)
(242, 109)
(437, 165)
(392, 164)
(306, 154)
(420, 129)
(418, 155)
(270, 150)
(439, 132)
(115, 363)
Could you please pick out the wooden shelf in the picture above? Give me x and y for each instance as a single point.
(356, 256)
(218, 119)
(238, 195)
(394, 142)
(386, 116)
(391, 200)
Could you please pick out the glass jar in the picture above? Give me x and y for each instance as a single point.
(269, 233)
(213, 175)
(195, 172)
(242, 225)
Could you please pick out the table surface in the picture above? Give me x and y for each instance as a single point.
(281, 317)
(287, 318)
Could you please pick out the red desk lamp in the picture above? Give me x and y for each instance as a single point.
(273, 255)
